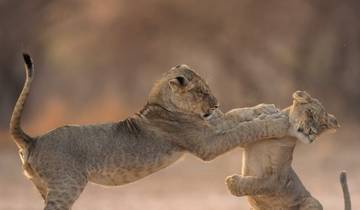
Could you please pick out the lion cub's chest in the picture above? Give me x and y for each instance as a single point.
(267, 157)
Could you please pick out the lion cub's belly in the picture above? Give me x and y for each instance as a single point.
(263, 159)
(267, 157)
(113, 174)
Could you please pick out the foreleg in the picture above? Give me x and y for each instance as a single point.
(223, 135)
(249, 113)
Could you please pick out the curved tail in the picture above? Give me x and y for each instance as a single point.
(21, 139)
(344, 186)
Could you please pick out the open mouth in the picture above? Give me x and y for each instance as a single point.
(209, 113)
(206, 115)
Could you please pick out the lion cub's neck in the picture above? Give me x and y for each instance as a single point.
(268, 157)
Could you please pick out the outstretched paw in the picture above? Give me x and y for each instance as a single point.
(265, 109)
(273, 116)
(234, 185)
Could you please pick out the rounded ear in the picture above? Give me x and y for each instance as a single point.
(178, 82)
(302, 97)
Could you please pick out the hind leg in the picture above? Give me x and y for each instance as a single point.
(310, 203)
(63, 192)
(250, 185)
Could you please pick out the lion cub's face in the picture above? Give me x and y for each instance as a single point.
(310, 117)
(182, 90)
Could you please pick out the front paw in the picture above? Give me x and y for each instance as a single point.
(265, 109)
(273, 116)
(234, 185)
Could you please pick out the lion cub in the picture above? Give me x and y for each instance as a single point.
(267, 177)
(181, 116)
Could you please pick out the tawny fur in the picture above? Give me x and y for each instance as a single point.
(267, 177)
(181, 116)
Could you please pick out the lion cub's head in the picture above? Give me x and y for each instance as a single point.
(182, 90)
(309, 116)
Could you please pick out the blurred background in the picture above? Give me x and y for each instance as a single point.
(96, 61)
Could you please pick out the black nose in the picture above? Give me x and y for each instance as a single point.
(300, 130)
(216, 106)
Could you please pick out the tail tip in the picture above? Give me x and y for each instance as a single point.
(343, 176)
(28, 62)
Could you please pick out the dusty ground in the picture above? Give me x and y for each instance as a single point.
(192, 184)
